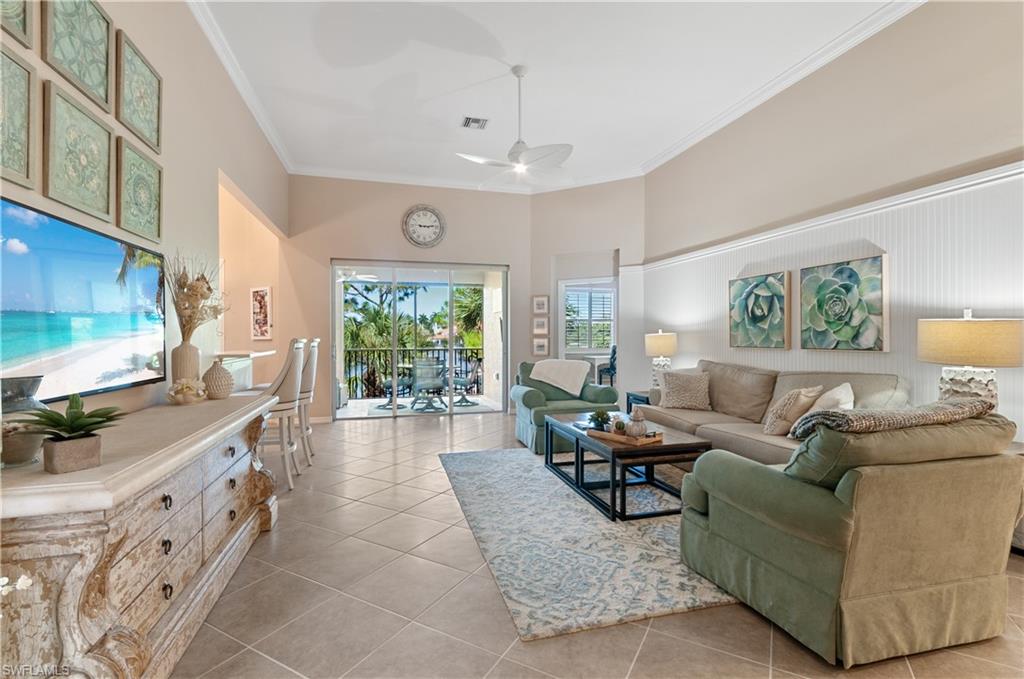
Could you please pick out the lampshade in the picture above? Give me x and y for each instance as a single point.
(982, 342)
(660, 344)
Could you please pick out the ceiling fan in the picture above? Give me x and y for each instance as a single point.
(521, 157)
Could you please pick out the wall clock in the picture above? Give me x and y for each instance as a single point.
(423, 226)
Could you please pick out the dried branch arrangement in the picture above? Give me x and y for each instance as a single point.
(192, 294)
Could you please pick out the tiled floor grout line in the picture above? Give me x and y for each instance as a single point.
(711, 648)
(365, 657)
(500, 657)
(910, 668)
(771, 649)
(974, 657)
(639, 648)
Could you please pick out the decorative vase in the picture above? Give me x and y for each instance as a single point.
(637, 425)
(71, 455)
(18, 396)
(218, 380)
(185, 362)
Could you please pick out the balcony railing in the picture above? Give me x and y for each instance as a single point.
(368, 372)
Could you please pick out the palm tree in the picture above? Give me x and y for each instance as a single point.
(137, 258)
(469, 309)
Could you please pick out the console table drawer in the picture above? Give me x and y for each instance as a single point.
(164, 589)
(154, 507)
(228, 518)
(226, 487)
(131, 574)
(219, 459)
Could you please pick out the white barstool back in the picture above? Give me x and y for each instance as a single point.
(286, 387)
(306, 390)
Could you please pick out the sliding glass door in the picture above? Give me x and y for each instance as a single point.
(418, 339)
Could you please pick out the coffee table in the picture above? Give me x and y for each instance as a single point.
(628, 465)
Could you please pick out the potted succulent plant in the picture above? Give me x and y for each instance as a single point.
(599, 419)
(71, 441)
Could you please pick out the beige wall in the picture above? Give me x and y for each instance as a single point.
(938, 94)
(207, 128)
(343, 219)
(251, 252)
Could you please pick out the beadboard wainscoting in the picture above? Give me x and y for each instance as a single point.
(954, 245)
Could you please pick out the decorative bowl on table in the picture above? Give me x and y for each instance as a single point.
(186, 392)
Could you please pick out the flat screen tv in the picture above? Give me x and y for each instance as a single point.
(83, 310)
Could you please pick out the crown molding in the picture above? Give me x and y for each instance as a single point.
(864, 29)
(967, 182)
(204, 17)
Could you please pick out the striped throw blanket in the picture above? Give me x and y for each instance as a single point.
(863, 421)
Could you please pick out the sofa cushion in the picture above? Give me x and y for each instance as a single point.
(739, 390)
(685, 391)
(747, 439)
(551, 392)
(572, 405)
(870, 390)
(684, 419)
(826, 455)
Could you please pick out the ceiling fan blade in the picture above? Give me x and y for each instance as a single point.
(550, 155)
(480, 160)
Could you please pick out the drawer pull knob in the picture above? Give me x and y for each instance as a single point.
(231, 451)
(168, 501)
(232, 514)
(167, 545)
(232, 483)
(168, 590)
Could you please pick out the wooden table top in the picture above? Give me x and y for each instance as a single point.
(673, 440)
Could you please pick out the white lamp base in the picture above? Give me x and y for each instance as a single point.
(968, 382)
(657, 365)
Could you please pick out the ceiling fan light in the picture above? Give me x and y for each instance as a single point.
(519, 168)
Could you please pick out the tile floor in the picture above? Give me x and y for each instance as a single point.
(372, 572)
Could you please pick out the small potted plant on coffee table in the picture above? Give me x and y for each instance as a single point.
(599, 419)
(71, 442)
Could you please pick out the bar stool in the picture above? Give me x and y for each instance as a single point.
(286, 388)
(308, 384)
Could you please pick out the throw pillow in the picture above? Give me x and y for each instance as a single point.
(686, 391)
(784, 413)
(659, 381)
(840, 398)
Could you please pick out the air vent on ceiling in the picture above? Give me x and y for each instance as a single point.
(474, 123)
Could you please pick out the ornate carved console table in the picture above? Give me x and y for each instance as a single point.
(127, 559)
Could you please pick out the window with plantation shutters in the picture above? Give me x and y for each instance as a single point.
(589, 313)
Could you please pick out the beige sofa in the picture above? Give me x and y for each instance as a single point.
(741, 395)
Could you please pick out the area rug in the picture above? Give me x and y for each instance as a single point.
(559, 563)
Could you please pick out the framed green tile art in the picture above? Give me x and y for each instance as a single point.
(139, 90)
(78, 155)
(139, 191)
(18, 89)
(16, 19)
(845, 305)
(78, 42)
(759, 311)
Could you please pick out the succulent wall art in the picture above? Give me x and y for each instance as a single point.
(758, 307)
(845, 305)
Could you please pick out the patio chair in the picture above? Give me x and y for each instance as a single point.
(428, 385)
(465, 383)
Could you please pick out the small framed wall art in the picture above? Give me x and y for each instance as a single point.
(759, 311)
(540, 304)
(78, 155)
(540, 325)
(17, 119)
(139, 191)
(139, 92)
(78, 42)
(16, 19)
(844, 306)
(260, 318)
(540, 346)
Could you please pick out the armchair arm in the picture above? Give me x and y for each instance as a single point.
(527, 397)
(596, 393)
(654, 396)
(810, 512)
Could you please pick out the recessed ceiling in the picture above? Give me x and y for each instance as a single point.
(379, 91)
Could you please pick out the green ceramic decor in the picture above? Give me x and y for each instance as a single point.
(138, 93)
(845, 305)
(18, 87)
(759, 311)
(79, 153)
(78, 41)
(16, 19)
(139, 188)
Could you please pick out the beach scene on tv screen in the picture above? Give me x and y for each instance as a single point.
(81, 309)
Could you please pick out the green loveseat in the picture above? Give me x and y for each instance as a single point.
(534, 400)
(868, 546)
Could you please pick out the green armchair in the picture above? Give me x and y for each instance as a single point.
(892, 559)
(534, 400)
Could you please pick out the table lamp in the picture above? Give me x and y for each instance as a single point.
(659, 346)
(976, 344)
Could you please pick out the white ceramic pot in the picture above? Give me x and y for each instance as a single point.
(219, 381)
(185, 362)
